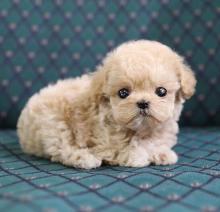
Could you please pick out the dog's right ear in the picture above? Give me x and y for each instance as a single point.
(100, 78)
(98, 84)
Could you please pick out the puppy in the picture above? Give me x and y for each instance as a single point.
(125, 113)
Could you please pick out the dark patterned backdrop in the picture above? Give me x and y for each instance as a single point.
(43, 40)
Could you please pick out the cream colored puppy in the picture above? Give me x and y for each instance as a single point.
(125, 113)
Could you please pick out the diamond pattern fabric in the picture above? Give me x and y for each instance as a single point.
(31, 184)
(41, 41)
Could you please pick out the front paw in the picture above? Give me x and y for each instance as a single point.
(83, 160)
(164, 156)
(138, 157)
(89, 162)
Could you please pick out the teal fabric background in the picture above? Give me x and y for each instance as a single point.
(33, 184)
(45, 40)
(41, 41)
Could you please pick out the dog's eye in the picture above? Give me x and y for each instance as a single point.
(123, 93)
(160, 91)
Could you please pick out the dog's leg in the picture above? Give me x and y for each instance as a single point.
(160, 154)
(140, 153)
(78, 158)
(60, 148)
(163, 155)
(159, 148)
(134, 155)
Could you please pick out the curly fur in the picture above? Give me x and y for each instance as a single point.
(83, 123)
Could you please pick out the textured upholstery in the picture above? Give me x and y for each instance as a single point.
(32, 184)
(41, 41)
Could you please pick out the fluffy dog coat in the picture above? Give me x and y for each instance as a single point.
(84, 122)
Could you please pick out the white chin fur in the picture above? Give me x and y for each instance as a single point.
(137, 123)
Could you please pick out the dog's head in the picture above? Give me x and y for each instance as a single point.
(142, 81)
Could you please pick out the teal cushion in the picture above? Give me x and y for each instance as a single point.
(41, 41)
(31, 184)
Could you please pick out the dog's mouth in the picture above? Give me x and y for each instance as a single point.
(142, 119)
(144, 112)
(137, 119)
(141, 114)
(146, 115)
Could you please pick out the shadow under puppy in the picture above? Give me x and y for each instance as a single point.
(124, 114)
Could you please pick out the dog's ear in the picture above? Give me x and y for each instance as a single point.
(100, 78)
(187, 80)
(98, 84)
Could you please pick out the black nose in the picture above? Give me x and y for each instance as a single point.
(143, 104)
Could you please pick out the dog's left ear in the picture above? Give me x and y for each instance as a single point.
(187, 81)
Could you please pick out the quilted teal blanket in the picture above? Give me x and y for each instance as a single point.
(31, 184)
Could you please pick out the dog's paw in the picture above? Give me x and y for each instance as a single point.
(88, 161)
(83, 159)
(138, 157)
(164, 156)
